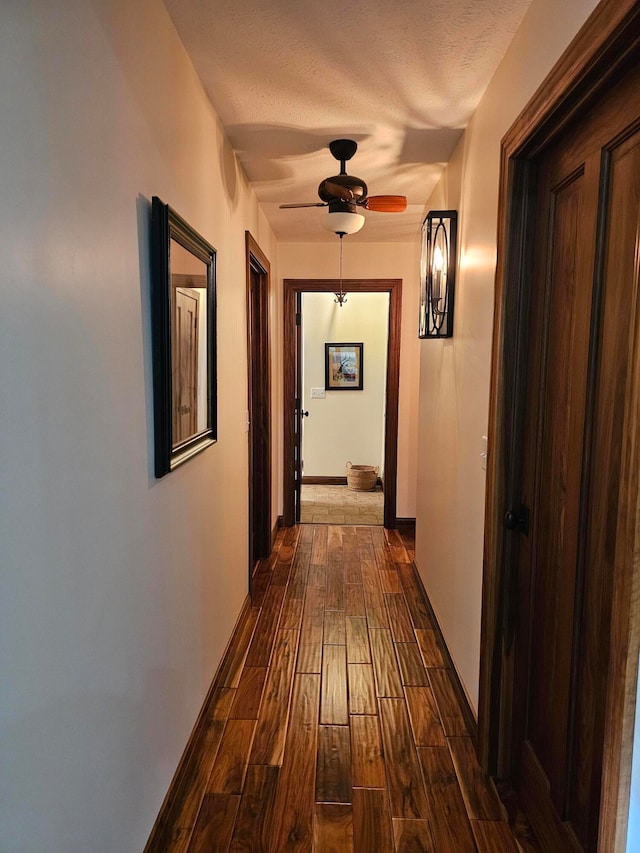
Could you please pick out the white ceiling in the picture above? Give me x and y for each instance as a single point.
(401, 77)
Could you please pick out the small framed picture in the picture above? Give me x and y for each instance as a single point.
(343, 367)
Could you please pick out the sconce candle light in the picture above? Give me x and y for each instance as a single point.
(438, 273)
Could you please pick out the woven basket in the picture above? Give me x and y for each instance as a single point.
(362, 478)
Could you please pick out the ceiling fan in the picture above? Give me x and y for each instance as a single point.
(343, 194)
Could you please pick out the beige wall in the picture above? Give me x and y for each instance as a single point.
(376, 260)
(119, 591)
(344, 425)
(455, 374)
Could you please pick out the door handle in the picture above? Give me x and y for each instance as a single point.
(304, 414)
(518, 519)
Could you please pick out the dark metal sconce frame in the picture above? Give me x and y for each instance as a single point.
(437, 285)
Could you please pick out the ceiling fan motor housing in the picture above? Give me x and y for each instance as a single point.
(351, 182)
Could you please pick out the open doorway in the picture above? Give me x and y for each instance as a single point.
(344, 364)
(295, 412)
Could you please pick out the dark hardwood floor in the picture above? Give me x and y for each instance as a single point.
(334, 723)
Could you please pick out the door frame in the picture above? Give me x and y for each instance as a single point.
(392, 286)
(598, 55)
(259, 417)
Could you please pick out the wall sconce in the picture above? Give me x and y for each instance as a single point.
(438, 273)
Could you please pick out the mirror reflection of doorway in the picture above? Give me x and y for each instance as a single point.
(347, 424)
(189, 362)
(185, 365)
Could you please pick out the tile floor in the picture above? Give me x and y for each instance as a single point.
(340, 505)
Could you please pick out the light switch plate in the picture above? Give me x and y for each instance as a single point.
(317, 394)
(483, 453)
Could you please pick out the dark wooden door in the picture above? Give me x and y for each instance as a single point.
(259, 382)
(585, 271)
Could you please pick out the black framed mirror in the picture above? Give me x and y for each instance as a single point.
(183, 317)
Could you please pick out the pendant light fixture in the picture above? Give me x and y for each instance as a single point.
(341, 296)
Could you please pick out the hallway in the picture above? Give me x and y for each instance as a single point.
(334, 724)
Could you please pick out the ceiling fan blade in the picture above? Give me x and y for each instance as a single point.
(337, 190)
(385, 203)
(308, 204)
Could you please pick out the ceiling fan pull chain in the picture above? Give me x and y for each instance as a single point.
(341, 296)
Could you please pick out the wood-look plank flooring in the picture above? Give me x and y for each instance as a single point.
(334, 725)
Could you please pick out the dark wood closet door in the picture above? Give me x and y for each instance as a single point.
(259, 400)
(585, 272)
(259, 421)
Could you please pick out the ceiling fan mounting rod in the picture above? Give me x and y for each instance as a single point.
(343, 150)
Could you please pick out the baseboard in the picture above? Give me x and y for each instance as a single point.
(407, 524)
(324, 481)
(461, 694)
(329, 481)
(276, 527)
(159, 841)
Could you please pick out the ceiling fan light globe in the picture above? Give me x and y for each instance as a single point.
(343, 222)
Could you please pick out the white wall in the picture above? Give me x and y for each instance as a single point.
(118, 592)
(377, 260)
(344, 425)
(455, 374)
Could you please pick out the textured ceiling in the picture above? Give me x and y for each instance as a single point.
(401, 77)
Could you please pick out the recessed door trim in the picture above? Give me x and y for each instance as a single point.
(376, 285)
(599, 54)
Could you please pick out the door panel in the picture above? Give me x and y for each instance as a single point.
(556, 518)
(620, 284)
(584, 279)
